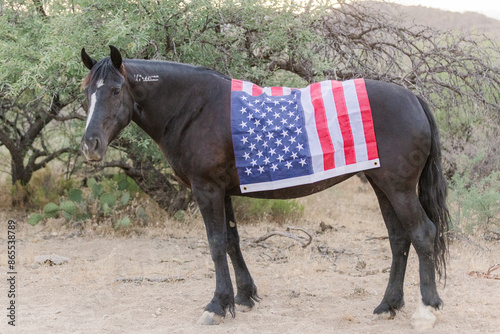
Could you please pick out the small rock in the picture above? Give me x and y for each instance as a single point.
(51, 260)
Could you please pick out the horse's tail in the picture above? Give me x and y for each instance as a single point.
(432, 194)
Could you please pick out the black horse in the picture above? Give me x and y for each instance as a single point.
(186, 110)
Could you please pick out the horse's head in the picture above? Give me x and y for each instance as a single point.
(110, 103)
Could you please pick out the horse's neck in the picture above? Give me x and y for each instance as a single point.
(163, 94)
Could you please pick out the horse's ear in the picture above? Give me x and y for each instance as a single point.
(116, 57)
(88, 61)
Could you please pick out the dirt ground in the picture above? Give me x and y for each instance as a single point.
(332, 286)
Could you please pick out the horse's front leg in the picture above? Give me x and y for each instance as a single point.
(210, 199)
(247, 291)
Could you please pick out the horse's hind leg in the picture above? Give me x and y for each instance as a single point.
(422, 233)
(400, 244)
(246, 289)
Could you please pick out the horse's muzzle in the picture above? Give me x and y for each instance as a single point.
(92, 148)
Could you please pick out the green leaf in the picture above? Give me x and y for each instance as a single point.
(51, 210)
(75, 195)
(68, 207)
(105, 209)
(122, 184)
(125, 198)
(35, 219)
(96, 190)
(91, 182)
(124, 222)
(180, 215)
(108, 198)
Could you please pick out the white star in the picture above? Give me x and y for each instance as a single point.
(274, 167)
(286, 149)
(253, 163)
(261, 169)
(272, 152)
(278, 142)
(259, 154)
(243, 124)
(298, 131)
(250, 116)
(258, 138)
(248, 171)
(290, 114)
(251, 131)
(290, 101)
(276, 102)
(244, 98)
(303, 162)
(250, 104)
(294, 155)
(243, 110)
(292, 140)
(257, 122)
(269, 109)
(280, 158)
(266, 160)
(265, 144)
(246, 156)
(257, 110)
(300, 147)
(283, 121)
(252, 147)
(264, 128)
(269, 122)
(289, 164)
(244, 140)
(283, 108)
(276, 115)
(270, 135)
(284, 133)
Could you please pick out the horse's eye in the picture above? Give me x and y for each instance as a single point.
(116, 91)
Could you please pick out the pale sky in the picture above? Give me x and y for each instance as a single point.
(487, 7)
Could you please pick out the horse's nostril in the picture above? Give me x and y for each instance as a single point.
(97, 144)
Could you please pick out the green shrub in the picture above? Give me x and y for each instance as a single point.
(109, 200)
(474, 201)
(45, 187)
(254, 210)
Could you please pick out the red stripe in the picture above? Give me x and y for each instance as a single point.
(322, 126)
(276, 91)
(345, 124)
(236, 85)
(366, 116)
(256, 90)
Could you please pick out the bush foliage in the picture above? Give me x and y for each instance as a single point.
(112, 200)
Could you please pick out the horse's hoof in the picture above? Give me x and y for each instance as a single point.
(384, 316)
(423, 318)
(210, 318)
(243, 308)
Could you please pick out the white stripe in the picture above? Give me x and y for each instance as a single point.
(247, 87)
(308, 179)
(333, 123)
(267, 90)
(93, 100)
(358, 133)
(311, 131)
(287, 91)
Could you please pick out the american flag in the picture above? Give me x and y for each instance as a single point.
(284, 137)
